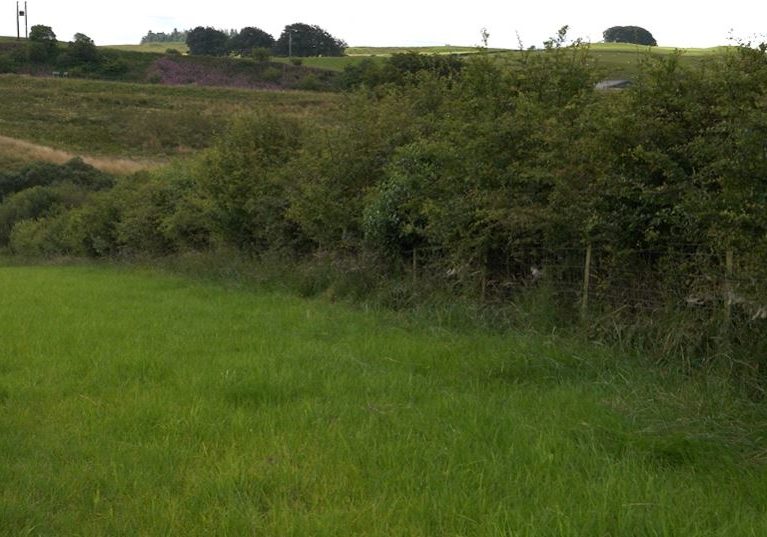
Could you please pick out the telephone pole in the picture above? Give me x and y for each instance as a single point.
(22, 13)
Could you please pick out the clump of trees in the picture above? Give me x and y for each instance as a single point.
(296, 40)
(629, 34)
(244, 42)
(175, 36)
(399, 69)
(207, 41)
(308, 40)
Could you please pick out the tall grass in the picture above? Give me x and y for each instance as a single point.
(133, 403)
(132, 120)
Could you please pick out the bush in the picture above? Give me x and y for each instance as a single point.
(271, 74)
(261, 54)
(241, 177)
(309, 82)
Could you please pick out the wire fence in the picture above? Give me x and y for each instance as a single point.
(594, 279)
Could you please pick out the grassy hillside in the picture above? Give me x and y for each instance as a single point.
(130, 120)
(138, 404)
(159, 48)
(614, 59)
(619, 60)
(388, 51)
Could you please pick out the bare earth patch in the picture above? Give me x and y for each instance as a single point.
(24, 150)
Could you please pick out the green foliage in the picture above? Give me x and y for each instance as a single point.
(163, 37)
(75, 172)
(42, 191)
(42, 43)
(42, 34)
(411, 63)
(483, 178)
(271, 74)
(241, 176)
(629, 34)
(260, 54)
(339, 165)
(249, 39)
(82, 50)
(207, 41)
(309, 83)
(400, 68)
(308, 40)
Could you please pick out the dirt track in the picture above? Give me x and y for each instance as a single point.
(31, 151)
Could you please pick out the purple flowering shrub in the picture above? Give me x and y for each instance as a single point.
(176, 71)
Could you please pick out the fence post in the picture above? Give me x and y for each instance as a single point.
(415, 268)
(729, 263)
(586, 283)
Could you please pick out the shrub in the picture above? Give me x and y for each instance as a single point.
(271, 74)
(241, 177)
(261, 54)
(309, 82)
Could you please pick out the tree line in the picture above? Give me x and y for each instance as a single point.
(297, 39)
(175, 36)
(477, 174)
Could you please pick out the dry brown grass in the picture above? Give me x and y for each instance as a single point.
(23, 151)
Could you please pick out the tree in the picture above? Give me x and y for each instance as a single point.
(207, 41)
(304, 40)
(629, 34)
(42, 43)
(249, 38)
(83, 49)
(42, 34)
(161, 37)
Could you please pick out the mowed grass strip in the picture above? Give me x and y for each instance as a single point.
(133, 403)
(115, 119)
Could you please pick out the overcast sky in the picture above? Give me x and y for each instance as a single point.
(405, 23)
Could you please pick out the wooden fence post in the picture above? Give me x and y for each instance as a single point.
(415, 268)
(729, 264)
(586, 283)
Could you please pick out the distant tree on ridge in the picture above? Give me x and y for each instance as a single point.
(306, 40)
(249, 38)
(629, 34)
(207, 41)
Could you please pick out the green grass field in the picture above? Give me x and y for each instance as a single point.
(135, 403)
(112, 119)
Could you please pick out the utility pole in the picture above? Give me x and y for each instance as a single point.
(291, 31)
(22, 13)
